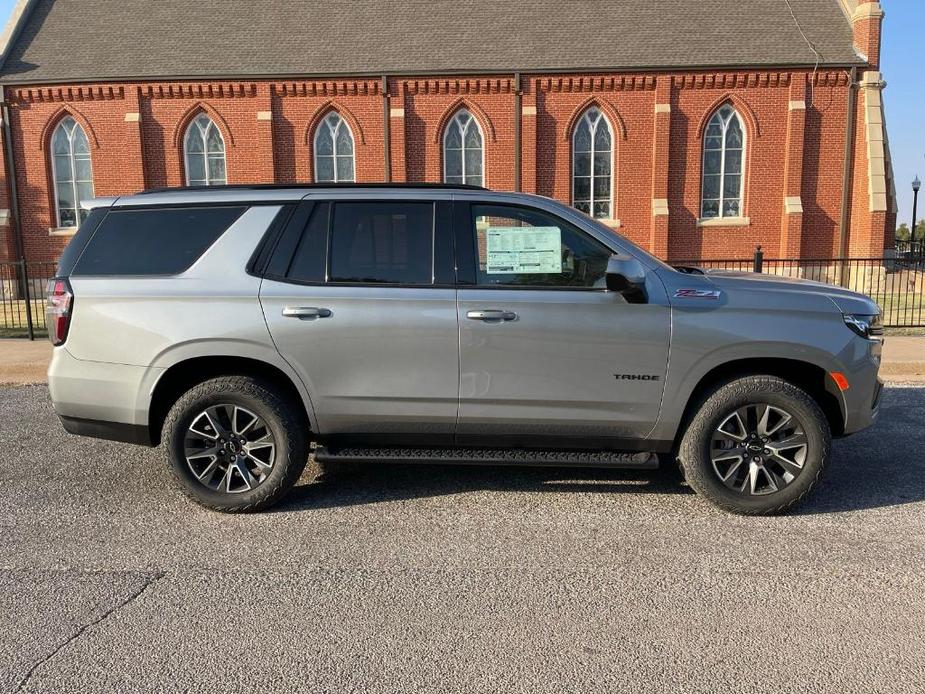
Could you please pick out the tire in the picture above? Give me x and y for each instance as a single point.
(711, 446)
(267, 456)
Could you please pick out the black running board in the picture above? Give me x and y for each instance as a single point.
(489, 456)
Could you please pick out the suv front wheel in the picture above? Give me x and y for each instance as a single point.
(757, 446)
(234, 445)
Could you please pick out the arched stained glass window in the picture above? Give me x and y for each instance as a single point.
(723, 165)
(463, 151)
(334, 162)
(73, 171)
(204, 153)
(592, 165)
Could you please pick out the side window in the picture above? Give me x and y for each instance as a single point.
(382, 243)
(163, 241)
(522, 247)
(308, 261)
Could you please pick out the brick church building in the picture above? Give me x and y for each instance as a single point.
(697, 128)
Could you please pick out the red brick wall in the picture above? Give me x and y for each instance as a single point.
(130, 154)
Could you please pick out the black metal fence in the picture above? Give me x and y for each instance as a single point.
(896, 283)
(907, 248)
(22, 298)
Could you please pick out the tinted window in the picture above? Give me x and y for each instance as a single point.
(382, 242)
(308, 261)
(518, 246)
(79, 241)
(154, 242)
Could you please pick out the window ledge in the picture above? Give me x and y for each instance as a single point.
(724, 222)
(612, 223)
(62, 231)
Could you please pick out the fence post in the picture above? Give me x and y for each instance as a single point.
(25, 284)
(758, 260)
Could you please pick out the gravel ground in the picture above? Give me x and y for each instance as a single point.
(428, 578)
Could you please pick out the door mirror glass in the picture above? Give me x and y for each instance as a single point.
(628, 277)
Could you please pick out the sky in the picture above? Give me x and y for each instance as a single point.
(903, 66)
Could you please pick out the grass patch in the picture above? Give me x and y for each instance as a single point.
(901, 308)
(13, 318)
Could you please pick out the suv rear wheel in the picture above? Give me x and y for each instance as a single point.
(234, 445)
(757, 446)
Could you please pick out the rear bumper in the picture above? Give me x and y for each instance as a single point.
(112, 431)
(108, 401)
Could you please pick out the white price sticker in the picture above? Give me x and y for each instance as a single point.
(524, 250)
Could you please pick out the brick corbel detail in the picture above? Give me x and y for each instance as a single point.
(658, 237)
(791, 231)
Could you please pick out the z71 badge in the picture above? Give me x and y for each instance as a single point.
(697, 294)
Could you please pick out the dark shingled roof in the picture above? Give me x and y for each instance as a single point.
(79, 40)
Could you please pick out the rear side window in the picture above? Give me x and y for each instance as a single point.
(163, 241)
(309, 258)
(382, 243)
(79, 241)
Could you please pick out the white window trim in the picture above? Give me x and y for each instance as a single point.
(735, 220)
(454, 123)
(324, 124)
(204, 134)
(60, 229)
(612, 217)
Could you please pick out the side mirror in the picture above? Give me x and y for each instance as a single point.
(628, 277)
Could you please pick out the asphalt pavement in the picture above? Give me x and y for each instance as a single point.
(439, 579)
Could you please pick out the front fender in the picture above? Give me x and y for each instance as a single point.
(706, 339)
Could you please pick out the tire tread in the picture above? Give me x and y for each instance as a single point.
(712, 405)
(295, 432)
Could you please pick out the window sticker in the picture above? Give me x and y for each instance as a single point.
(524, 250)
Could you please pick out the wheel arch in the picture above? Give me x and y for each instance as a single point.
(185, 374)
(811, 377)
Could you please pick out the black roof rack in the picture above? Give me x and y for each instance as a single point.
(309, 186)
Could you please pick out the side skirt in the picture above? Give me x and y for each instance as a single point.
(490, 456)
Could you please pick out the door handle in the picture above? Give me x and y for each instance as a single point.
(306, 312)
(491, 315)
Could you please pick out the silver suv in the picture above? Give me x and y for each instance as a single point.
(247, 326)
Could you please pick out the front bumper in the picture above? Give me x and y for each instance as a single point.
(861, 401)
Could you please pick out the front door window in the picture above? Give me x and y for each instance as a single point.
(523, 247)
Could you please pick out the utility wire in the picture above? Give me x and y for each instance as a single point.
(812, 47)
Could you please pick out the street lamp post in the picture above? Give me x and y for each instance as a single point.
(916, 184)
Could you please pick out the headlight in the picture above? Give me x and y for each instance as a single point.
(869, 327)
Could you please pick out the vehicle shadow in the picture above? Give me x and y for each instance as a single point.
(351, 484)
(878, 468)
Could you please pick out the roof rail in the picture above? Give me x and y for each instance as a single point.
(309, 186)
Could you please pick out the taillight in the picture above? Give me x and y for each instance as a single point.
(58, 310)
